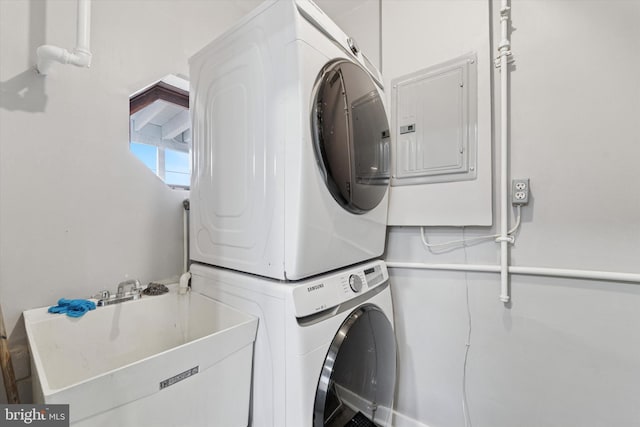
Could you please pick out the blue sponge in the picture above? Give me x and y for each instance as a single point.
(73, 307)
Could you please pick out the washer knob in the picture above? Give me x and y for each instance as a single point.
(355, 283)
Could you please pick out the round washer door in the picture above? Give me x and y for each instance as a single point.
(351, 136)
(359, 372)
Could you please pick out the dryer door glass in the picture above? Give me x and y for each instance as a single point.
(351, 136)
(358, 378)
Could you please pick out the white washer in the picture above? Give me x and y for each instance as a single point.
(325, 348)
(291, 147)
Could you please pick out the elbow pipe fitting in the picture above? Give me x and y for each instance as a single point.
(48, 55)
(183, 287)
(80, 56)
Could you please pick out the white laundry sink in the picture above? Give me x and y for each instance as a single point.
(162, 360)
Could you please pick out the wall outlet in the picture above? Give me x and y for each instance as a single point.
(520, 192)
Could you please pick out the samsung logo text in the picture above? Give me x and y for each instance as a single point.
(315, 287)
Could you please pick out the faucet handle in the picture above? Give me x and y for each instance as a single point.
(102, 295)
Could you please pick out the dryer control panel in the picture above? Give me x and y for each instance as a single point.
(325, 292)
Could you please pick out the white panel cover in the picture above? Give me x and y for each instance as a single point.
(234, 181)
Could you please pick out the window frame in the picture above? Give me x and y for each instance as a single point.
(168, 93)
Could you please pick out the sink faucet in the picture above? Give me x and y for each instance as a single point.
(128, 287)
(127, 291)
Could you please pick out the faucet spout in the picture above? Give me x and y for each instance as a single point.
(127, 291)
(128, 287)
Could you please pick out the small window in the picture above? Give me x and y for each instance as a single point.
(160, 130)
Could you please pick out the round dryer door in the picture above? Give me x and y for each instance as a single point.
(359, 373)
(351, 136)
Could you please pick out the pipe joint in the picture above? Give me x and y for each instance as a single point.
(48, 55)
(81, 51)
(183, 286)
(80, 58)
(504, 46)
(504, 53)
(508, 239)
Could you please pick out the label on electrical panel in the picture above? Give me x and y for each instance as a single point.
(407, 129)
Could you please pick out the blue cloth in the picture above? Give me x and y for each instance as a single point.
(73, 307)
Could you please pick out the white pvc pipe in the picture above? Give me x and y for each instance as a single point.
(83, 32)
(48, 55)
(577, 274)
(81, 55)
(449, 267)
(183, 284)
(185, 240)
(504, 52)
(610, 276)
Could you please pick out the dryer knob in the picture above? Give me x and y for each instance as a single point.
(355, 283)
(353, 46)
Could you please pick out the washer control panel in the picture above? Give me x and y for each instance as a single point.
(322, 293)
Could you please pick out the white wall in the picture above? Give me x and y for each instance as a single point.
(360, 19)
(78, 212)
(419, 35)
(564, 352)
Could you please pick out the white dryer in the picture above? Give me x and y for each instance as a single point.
(291, 147)
(325, 350)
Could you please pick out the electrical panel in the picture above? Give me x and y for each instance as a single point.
(434, 120)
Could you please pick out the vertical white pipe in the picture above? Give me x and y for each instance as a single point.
(185, 237)
(504, 52)
(83, 31)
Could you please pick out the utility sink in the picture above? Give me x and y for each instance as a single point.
(163, 360)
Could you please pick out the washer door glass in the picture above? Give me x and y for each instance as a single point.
(351, 136)
(359, 373)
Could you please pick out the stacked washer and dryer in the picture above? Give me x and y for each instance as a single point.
(288, 212)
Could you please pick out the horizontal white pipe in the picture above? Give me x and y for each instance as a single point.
(577, 274)
(48, 55)
(527, 271)
(450, 267)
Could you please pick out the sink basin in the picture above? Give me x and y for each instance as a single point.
(161, 360)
